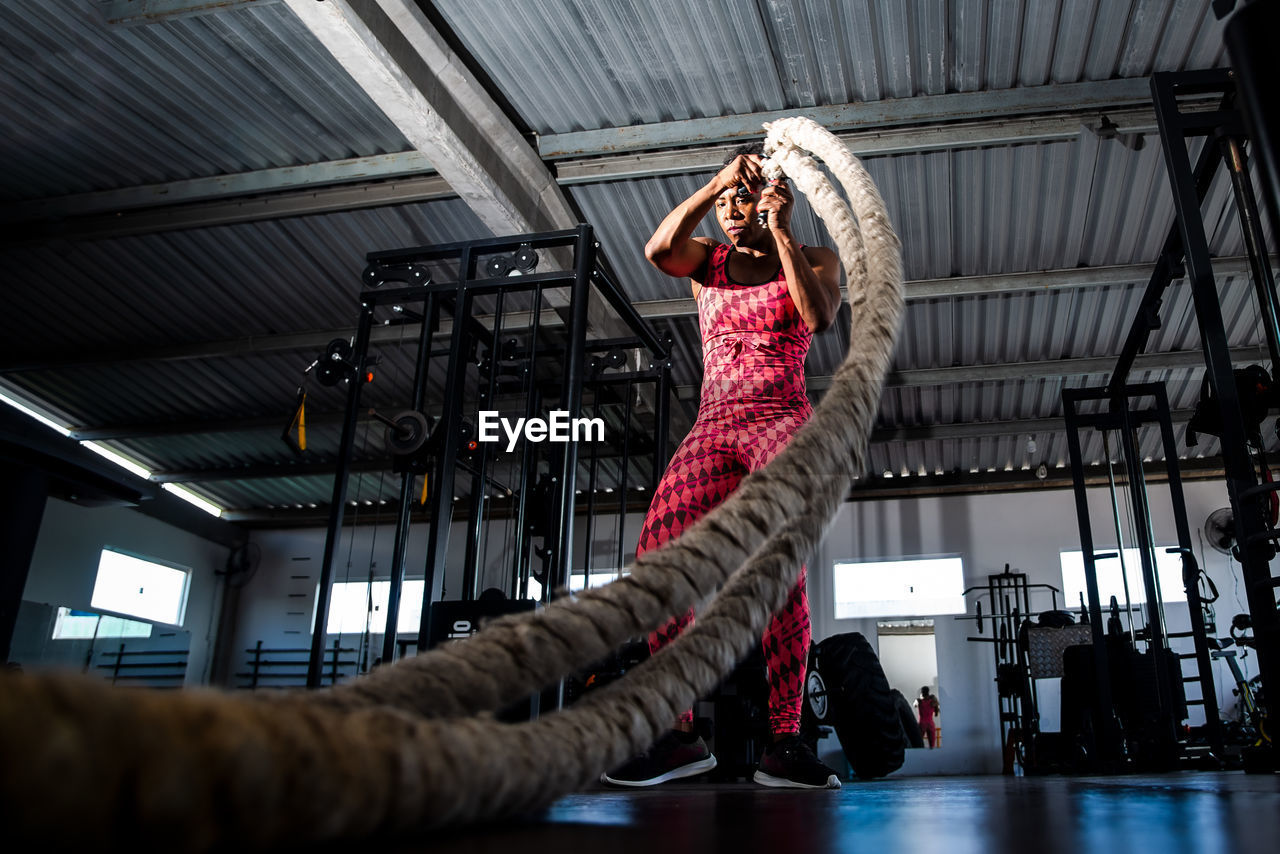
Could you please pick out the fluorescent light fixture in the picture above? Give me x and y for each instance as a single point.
(191, 498)
(26, 410)
(111, 456)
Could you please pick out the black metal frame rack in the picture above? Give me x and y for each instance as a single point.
(481, 270)
(1120, 415)
(1185, 253)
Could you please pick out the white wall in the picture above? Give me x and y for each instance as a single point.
(65, 565)
(1024, 529)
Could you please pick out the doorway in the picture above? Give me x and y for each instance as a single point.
(909, 656)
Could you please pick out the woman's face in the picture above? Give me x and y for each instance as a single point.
(736, 212)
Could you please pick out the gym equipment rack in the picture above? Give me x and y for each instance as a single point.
(1186, 253)
(450, 279)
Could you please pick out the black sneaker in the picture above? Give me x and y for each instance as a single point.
(790, 764)
(675, 755)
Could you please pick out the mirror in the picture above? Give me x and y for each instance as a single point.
(909, 656)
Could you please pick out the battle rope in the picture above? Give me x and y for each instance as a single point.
(411, 745)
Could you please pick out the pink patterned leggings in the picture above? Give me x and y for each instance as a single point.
(726, 443)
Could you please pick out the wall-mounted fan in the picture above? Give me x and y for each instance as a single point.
(1220, 530)
(242, 563)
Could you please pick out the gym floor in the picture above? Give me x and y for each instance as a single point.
(1162, 814)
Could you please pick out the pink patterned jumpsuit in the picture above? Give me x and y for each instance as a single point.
(754, 344)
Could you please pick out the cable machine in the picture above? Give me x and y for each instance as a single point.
(518, 353)
(1138, 702)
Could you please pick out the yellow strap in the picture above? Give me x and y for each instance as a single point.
(302, 422)
(423, 499)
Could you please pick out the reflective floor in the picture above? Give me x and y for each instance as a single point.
(1192, 812)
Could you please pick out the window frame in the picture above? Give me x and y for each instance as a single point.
(1137, 589)
(914, 611)
(184, 595)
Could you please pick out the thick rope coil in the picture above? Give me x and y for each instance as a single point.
(411, 746)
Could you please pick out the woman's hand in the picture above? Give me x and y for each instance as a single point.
(776, 201)
(743, 170)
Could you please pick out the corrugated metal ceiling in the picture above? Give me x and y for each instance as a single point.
(640, 63)
(93, 107)
(96, 107)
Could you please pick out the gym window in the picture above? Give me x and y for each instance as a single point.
(141, 588)
(578, 583)
(899, 588)
(70, 624)
(1111, 583)
(352, 611)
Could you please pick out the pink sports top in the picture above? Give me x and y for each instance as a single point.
(754, 343)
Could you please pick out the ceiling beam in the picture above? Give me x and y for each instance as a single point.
(876, 488)
(994, 105)
(154, 220)
(375, 172)
(266, 471)
(959, 482)
(972, 430)
(378, 168)
(317, 341)
(960, 286)
(957, 286)
(405, 66)
(985, 429)
(405, 177)
(132, 13)
(161, 429)
(1002, 371)
(606, 166)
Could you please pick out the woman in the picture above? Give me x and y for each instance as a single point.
(761, 297)
(928, 706)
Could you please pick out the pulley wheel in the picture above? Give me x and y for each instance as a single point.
(407, 433)
(525, 259)
(339, 349)
(497, 265)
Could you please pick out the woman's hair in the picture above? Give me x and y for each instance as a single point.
(925, 690)
(750, 148)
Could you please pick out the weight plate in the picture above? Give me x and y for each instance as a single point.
(817, 695)
(409, 433)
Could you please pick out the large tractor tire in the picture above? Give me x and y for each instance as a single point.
(847, 690)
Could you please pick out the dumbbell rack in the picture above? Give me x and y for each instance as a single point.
(449, 279)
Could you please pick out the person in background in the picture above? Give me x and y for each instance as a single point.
(926, 707)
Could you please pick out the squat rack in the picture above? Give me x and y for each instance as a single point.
(450, 279)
